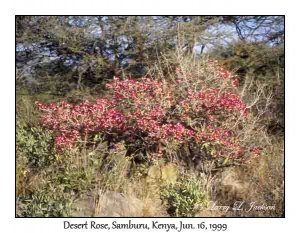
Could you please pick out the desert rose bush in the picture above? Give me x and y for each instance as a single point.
(193, 109)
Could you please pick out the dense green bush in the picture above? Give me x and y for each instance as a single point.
(48, 201)
(183, 197)
(34, 145)
(52, 191)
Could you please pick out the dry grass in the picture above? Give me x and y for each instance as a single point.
(141, 199)
(149, 193)
(261, 181)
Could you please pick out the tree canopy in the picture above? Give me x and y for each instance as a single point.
(85, 50)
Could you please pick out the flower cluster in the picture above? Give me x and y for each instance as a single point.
(224, 73)
(72, 122)
(214, 100)
(134, 90)
(221, 137)
(256, 152)
(151, 110)
(174, 131)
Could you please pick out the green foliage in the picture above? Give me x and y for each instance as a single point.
(75, 181)
(183, 197)
(21, 175)
(48, 201)
(54, 191)
(34, 145)
(264, 62)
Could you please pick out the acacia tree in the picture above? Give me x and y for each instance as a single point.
(259, 29)
(88, 49)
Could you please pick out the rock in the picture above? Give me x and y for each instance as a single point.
(169, 173)
(119, 205)
(154, 172)
(84, 207)
(109, 204)
(231, 181)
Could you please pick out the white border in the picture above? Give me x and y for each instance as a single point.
(157, 7)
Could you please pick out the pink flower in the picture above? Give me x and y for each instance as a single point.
(151, 110)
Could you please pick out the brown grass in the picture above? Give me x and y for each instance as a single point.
(261, 181)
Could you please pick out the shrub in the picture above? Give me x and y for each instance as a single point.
(48, 201)
(50, 192)
(183, 197)
(34, 145)
(191, 110)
